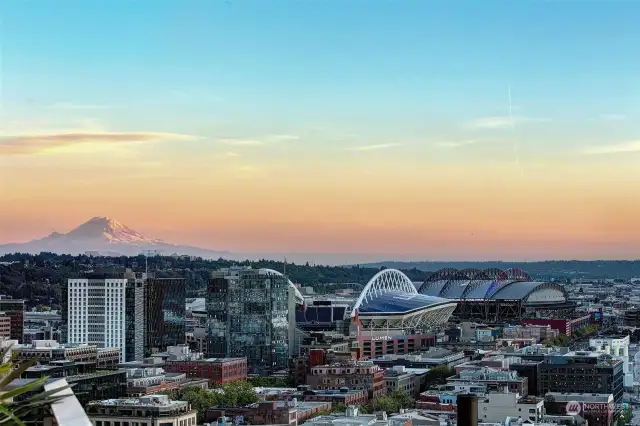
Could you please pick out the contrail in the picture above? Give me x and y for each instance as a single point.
(515, 142)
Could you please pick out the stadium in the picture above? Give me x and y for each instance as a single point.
(495, 295)
(390, 301)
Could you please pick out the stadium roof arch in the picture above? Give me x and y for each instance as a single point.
(298, 295)
(492, 284)
(390, 300)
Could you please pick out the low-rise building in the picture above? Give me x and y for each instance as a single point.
(216, 370)
(427, 359)
(153, 380)
(151, 410)
(350, 374)
(493, 379)
(269, 412)
(397, 378)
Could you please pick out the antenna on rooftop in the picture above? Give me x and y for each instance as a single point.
(147, 254)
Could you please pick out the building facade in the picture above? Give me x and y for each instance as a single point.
(248, 316)
(151, 410)
(349, 375)
(108, 313)
(14, 309)
(582, 372)
(165, 313)
(96, 312)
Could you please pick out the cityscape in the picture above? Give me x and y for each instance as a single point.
(319, 213)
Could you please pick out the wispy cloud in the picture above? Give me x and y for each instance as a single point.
(456, 144)
(42, 143)
(620, 148)
(242, 142)
(258, 141)
(612, 117)
(503, 122)
(374, 147)
(460, 144)
(66, 105)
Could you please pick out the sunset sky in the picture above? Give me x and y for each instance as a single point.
(365, 128)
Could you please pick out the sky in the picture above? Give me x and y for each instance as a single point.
(421, 130)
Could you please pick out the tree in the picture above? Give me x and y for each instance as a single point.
(438, 375)
(237, 393)
(625, 417)
(392, 403)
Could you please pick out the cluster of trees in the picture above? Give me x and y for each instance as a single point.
(625, 417)
(230, 394)
(564, 340)
(438, 375)
(39, 278)
(393, 402)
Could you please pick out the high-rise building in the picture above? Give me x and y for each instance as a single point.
(165, 313)
(14, 309)
(134, 318)
(107, 313)
(248, 316)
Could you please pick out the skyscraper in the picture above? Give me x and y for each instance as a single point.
(165, 313)
(96, 312)
(108, 313)
(248, 315)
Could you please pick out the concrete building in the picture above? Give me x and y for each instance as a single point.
(151, 410)
(582, 372)
(47, 351)
(97, 312)
(398, 378)
(493, 379)
(496, 407)
(425, 359)
(618, 347)
(597, 409)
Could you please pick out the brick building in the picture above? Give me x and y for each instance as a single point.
(349, 374)
(5, 326)
(14, 309)
(216, 370)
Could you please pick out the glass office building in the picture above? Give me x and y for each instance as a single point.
(248, 315)
(165, 313)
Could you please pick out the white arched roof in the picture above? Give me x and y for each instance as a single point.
(299, 298)
(385, 281)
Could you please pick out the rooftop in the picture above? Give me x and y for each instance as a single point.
(145, 401)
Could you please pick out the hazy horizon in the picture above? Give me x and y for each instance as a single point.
(427, 130)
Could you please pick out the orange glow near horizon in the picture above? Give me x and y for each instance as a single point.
(370, 205)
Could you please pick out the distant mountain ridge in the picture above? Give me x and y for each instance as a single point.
(107, 237)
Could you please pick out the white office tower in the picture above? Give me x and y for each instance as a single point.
(96, 312)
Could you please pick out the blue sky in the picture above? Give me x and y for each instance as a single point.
(322, 60)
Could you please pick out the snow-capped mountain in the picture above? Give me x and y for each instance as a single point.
(105, 236)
